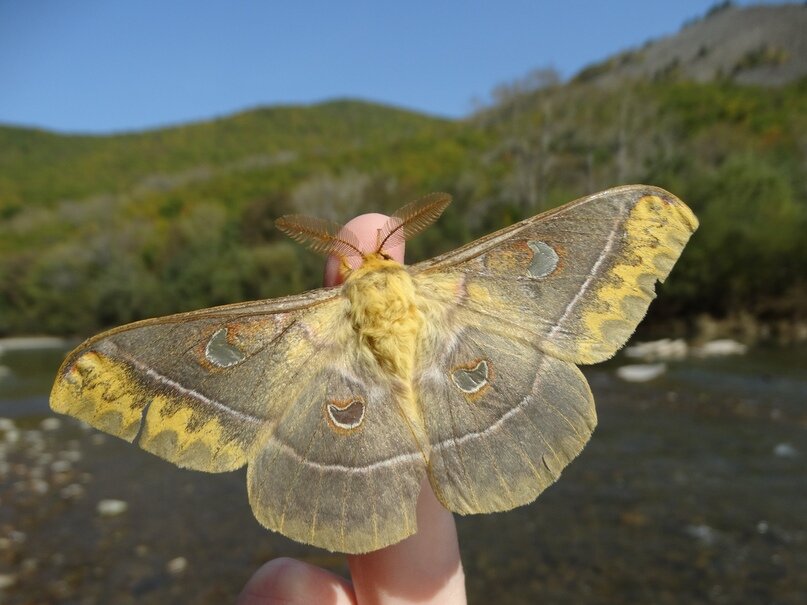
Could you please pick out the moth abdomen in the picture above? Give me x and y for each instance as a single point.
(384, 313)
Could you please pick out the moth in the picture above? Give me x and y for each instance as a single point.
(462, 368)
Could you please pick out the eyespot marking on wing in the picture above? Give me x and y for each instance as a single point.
(473, 378)
(544, 259)
(222, 353)
(346, 415)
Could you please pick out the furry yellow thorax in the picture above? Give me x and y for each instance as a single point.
(384, 313)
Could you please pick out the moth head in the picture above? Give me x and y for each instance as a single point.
(352, 248)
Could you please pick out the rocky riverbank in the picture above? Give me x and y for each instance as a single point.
(690, 491)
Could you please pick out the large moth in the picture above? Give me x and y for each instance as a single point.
(340, 400)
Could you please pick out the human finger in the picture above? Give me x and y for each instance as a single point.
(290, 582)
(426, 567)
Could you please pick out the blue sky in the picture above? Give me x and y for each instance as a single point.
(112, 65)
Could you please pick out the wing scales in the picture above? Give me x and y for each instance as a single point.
(280, 386)
(565, 287)
(500, 450)
(610, 249)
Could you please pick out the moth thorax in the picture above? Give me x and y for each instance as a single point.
(384, 313)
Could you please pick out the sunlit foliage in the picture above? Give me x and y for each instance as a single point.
(97, 231)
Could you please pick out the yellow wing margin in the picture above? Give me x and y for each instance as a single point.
(154, 382)
(653, 237)
(179, 425)
(576, 280)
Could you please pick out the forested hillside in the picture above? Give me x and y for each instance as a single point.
(97, 231)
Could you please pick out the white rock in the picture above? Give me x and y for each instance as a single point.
(111, 508)
(7, 424)
(7, 580)
(658, 350)
(69, 492)
(785, 450)
(50, 424)
(70, 455)
(176, 566)
(641, 372)
(39, 486)
(702, 533)
(721, 348)
(29, 343)
(29, 565)
(33, 437)
(61, 466)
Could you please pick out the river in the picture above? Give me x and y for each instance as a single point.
(693, 489)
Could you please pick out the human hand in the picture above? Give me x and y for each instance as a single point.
(424, 568)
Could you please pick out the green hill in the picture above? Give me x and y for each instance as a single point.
(45, 168)
(99, 230)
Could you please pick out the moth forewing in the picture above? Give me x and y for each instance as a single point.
(578, 278)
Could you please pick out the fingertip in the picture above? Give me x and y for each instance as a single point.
(426, 567)
(366, 228)
(292, 582)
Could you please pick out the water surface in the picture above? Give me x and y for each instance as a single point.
(691, 491)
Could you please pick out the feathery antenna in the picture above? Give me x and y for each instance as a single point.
(407, 222)
(322, 236)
